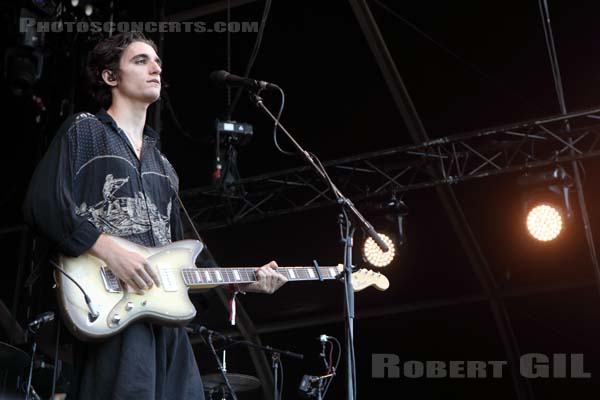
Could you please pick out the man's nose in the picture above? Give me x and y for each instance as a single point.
(156, 69)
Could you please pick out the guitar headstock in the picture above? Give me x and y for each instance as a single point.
(363, 278)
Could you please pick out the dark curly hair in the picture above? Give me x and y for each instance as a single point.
(107, 55)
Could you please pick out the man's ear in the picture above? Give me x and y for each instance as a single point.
(109, 77)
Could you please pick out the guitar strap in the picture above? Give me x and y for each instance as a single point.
(234, 289)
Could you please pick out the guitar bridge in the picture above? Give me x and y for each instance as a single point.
(111, 282)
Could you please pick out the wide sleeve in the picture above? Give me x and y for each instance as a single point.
(176, 223)
(49, 206)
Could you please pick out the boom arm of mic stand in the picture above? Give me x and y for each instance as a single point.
(343, 200)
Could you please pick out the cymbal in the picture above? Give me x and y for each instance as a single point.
(239, 382)
(12, 358)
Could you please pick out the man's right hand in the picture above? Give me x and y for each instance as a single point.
(130, 267)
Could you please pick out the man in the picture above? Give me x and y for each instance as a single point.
(103, 175)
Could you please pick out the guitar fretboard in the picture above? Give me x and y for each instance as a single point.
(220, 276)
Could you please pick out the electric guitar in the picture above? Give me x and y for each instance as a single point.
(96, 306)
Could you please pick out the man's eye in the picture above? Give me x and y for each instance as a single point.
(140, 61)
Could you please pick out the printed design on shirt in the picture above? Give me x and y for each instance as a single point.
(124, 216)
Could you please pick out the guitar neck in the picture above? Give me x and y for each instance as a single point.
(199, 277)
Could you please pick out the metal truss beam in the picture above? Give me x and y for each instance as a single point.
(511, 148)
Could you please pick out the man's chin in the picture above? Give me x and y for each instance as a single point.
(151, 97)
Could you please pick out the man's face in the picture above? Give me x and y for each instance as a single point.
(139, 75)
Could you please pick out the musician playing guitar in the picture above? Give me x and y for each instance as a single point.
(104, 176)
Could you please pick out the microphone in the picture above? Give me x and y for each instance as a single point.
(42, 319)
(224, 78)
(202, 330)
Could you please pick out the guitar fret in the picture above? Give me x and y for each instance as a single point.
(205, 276)
(236, 275)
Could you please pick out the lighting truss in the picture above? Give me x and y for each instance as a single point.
(510, 148)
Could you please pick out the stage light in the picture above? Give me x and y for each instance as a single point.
(377, 257)
(547, 202)
(544, 222)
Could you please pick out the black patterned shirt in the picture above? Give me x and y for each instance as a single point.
(91, 181)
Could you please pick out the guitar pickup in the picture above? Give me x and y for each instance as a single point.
(168, 280)
(111, 282)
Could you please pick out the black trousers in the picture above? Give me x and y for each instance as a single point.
(144, 362)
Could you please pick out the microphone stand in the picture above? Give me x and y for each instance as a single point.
(345, 225)
(33, 327)
(275, 354)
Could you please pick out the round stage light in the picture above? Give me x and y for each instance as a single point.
(375, 256)
(544, 222)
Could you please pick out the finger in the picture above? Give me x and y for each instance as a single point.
(138, 283)
(273, 265)
(272, 282)
(131, 287)
(146, 277)
(152, 272)
(261, 277)
(261, 273)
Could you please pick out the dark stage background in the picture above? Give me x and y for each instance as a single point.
(488, 66)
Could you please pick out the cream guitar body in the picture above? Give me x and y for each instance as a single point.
(112, 309)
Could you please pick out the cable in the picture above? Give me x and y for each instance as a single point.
(281, 375)
(228, 51)
(214, 352)
(337, 362)
(93, 314)
(350, 332)
(56, 360)
(330, 367)
(545, 14)
(255, 50)
(276, 124)
(324, 172)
